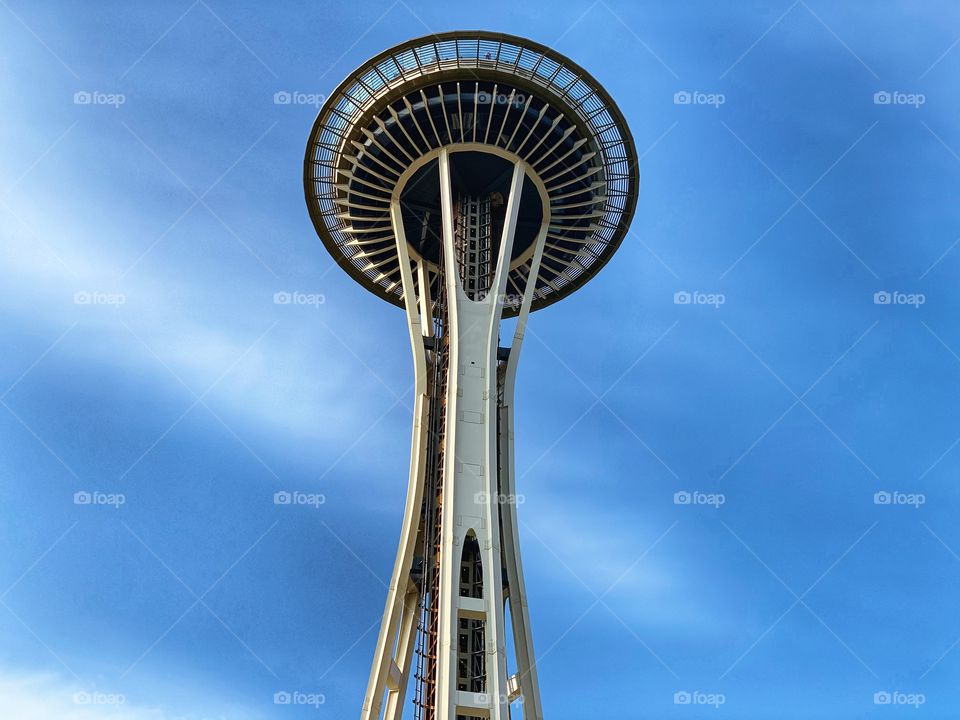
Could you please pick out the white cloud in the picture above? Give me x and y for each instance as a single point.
(47, 697)
(40, 697)
(599, 550)
(289, 381)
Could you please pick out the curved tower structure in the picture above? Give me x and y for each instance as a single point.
(465, 177)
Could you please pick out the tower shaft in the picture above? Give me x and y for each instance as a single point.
(458, 564)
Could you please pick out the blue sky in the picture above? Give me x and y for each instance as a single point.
(145, 233)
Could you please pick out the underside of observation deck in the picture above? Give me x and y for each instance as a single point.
(483, 93)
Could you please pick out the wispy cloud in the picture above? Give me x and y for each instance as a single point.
(44, 696)
(171, 329)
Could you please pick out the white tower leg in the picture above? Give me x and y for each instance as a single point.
(392, 658)
(525, 683)
(470, 492)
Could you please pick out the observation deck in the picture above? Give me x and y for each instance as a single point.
(492, 101)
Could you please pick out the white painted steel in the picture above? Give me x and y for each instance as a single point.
(472, 491)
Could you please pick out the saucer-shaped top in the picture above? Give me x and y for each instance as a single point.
(486, 97)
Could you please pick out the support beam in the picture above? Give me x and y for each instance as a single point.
(526, 679)
(471, 488)
(399, 592)
(399, 671)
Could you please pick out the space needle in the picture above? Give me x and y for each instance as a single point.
(467, 177)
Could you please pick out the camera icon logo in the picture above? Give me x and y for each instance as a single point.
(882, 97)
(882, 698)
(282, 298)
(682, 498)
(682, 97)
(682, 697)
(882, 498)
(882, 297)
(282, 498)
(82, 497)
(82, 97)
(682, 297)
(282, 97)
(282, 698)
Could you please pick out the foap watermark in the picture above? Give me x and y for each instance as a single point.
(488, 699)
(296, 97)
(297, 697)
(488, 98)
(485, 498)
(283, 297)
(97, 97)
(696, 97)
(685, 297)
(914, 500)
(509, 299)
(90, 297)
(283, 497)
(895, 297)
(96, 497)
(699, 698)
(695, 497)
(98, 698)
(896, 97)
(896, 697)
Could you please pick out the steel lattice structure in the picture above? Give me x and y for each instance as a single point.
(465, 177)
